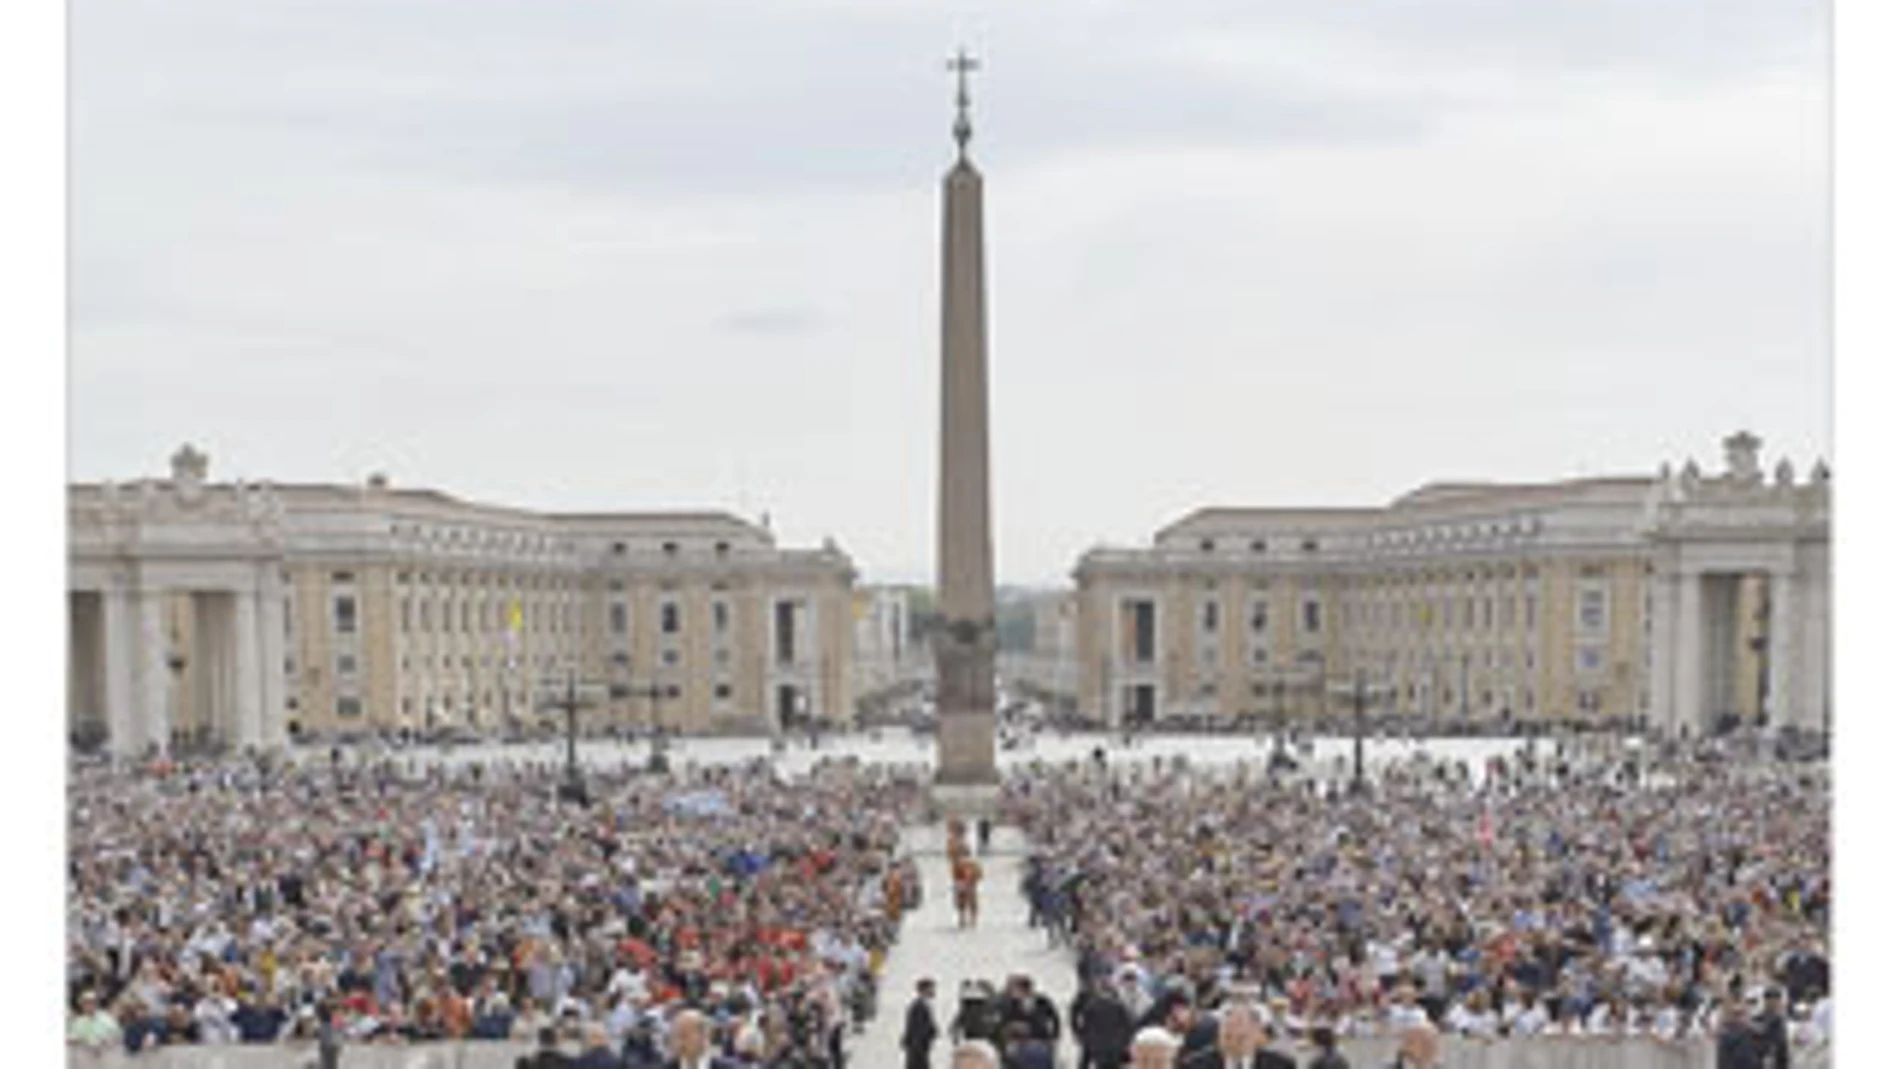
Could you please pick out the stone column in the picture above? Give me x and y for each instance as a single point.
(1810, 687)
(247, 691)
(1661, 657)
(1686, 654)
(151, 719)
(1784, 651)
(271, 729)
(120, 640)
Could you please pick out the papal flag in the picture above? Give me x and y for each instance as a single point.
(514, 616)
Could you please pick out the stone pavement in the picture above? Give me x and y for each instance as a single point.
(932, 945)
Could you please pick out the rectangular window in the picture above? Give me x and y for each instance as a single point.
(348, 707)
(720, 614)
(345, 614)
(669, 618)
(784, 631)
(405, 616)
(1210, 616)
(1589, 659)
(1530, 610)
(1310, 613)
(669, 657)
(722, 691)
(1590, 610)
(1259, 619)
(346, 664)
(617, 618)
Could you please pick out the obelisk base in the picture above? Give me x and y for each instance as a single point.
(966, 750)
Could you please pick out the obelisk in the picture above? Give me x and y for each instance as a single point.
(966, 597)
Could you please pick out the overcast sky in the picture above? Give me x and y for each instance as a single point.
(573, 254)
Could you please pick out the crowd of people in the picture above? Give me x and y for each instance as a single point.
(358, 902)
(1559, 895)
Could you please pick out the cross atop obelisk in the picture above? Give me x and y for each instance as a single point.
(962, 63)
(966, 595)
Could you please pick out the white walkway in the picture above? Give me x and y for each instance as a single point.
(932, 945)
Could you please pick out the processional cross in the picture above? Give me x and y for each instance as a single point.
(962, 63)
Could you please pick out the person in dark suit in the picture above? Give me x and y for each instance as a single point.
(1771, 1032)
(1241, 1043)
(920, 1027)
(547, 1053)
(1103, 1027)
(596, 1052)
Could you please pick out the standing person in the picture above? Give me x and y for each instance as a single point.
(1103, 1027)
(1735, 1042)
(1771, 1033)
(983, 835)
(1023, 1004)
(692, 1046)
(1328, 1056)
(920, 1027)
(967, 875)
(1240, 1044)
(93, 1029)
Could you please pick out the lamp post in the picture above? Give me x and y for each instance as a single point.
(175, 660)
(1358, 730)
(571, 702)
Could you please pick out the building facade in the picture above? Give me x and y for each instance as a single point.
(1476, 602)
(372, 607)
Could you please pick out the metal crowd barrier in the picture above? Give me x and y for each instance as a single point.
(1359, 1053)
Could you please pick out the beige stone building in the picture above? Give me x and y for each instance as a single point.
(377, 606)
(1476, 601)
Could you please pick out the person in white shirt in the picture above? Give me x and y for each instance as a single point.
(1405, 1012)
(1474, 1017)
(1526, 1018)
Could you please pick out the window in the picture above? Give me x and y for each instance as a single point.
(1207, 545)
(720, 611)
(345, 614)
(1258, 546)
(1309, 545)
(427, 614)
(617, 618)
(349, 708)
(672, 690)
(405, 616)
(784, 631)
(346, 664)
(669, 657)
(290, 666)
(1310, 616)
(343, 577)
(1487, 614)
(671, 549)
(1210, 616)
(669, 618)
(721, 548)
(1259, 618)
(722, 691)
(1530, 610)
(1589, 659)
(1590, 610)
(620, 549)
